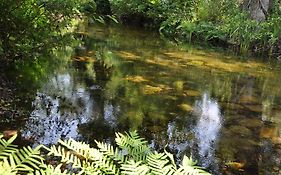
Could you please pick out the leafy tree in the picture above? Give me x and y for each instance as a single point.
(29, 27)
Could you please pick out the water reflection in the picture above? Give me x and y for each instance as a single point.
(58, 111)
(178, 139)
(207, 129)
(110, 114)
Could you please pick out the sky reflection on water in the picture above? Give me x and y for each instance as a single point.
(207, 129)
(58, 111)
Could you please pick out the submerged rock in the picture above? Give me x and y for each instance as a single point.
(191, 93)
(83, 59)
(272, 134)
(248, 99)
(269, 133)
(255, 108)
(241, 130)
(251, 123)
(185, 107)
(276, 140)
(178, 85)
(232, 106)
(170, 97)
(235, 165)
(136, 79)
(148, 90)
(196, 63)
(128, 55)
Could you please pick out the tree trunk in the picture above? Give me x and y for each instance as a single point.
(258, 9)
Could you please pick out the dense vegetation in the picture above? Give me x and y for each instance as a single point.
(30, 27)
(242, 25)
(131, 157)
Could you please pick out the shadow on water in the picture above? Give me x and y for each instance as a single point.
(222, 111)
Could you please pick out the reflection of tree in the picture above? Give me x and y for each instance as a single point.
(58, 111)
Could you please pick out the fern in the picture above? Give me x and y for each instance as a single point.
(189, 167)
(131, 157)
(134, 168)
(112, 153)
(133, 144)
(51, 170)
(6, 147)
(26, 159)
(81, 155)
(5, 168)
(80, 149)
(14, 159)
(159, 164)
(66, 156)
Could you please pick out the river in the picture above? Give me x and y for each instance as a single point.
(223, 111)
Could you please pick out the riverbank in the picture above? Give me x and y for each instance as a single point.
(11, 105)
(232, 26)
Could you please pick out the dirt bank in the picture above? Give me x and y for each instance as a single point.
(11, 112)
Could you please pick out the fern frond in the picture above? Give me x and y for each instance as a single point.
(6, 147)
(189, 167)
(131, 139)
(81, 155)
(50, 170)
(81, 149)
(108, 150)
(171, 158)
(90, 169)
(5, 168)
(26, 159)
(66, 156)
(159, 164)
(104, 163)
(134, 168)
(107, 166)
(135, 146)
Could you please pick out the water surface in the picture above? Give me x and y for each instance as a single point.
(222, 111)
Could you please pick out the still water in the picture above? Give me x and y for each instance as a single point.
(222, 111)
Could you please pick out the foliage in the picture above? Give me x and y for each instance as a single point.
(29, 27)
(14, 160)
(131, 157)
(207, 20)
